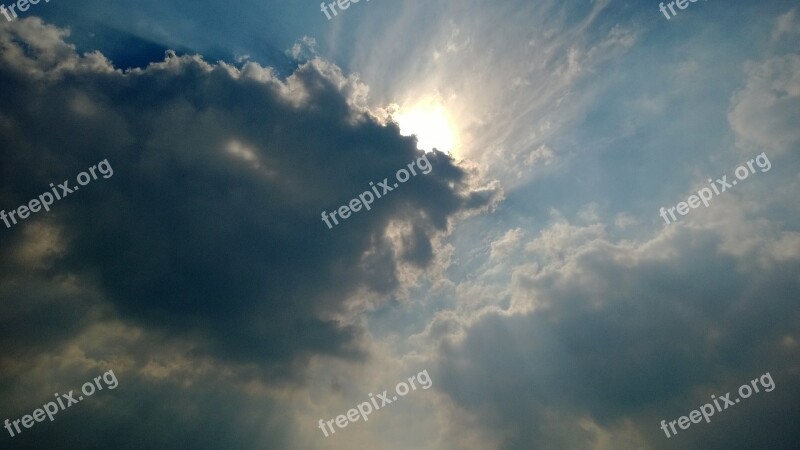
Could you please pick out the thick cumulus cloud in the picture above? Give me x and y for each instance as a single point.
(209, 229)
(606, 339)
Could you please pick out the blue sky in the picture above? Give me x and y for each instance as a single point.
(529, 272)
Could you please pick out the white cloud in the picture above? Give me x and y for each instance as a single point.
(764, 114)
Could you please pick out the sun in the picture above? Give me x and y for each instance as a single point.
(430, 124)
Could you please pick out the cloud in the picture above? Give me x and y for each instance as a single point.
(209, 232)
(786, 25)
(202, 273)
(625, 334)
(167, 396)
(764, 113)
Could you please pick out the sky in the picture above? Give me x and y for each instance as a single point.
(207, 241)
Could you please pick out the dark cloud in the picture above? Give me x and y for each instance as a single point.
(210, 226)
(143, 412)
(200, 271)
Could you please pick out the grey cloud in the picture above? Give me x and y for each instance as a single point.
(623, 337)
(210, 226)
(204, 410)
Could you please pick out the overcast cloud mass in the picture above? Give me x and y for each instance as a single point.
(530, 271)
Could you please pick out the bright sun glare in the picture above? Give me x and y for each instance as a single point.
(431, 126)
